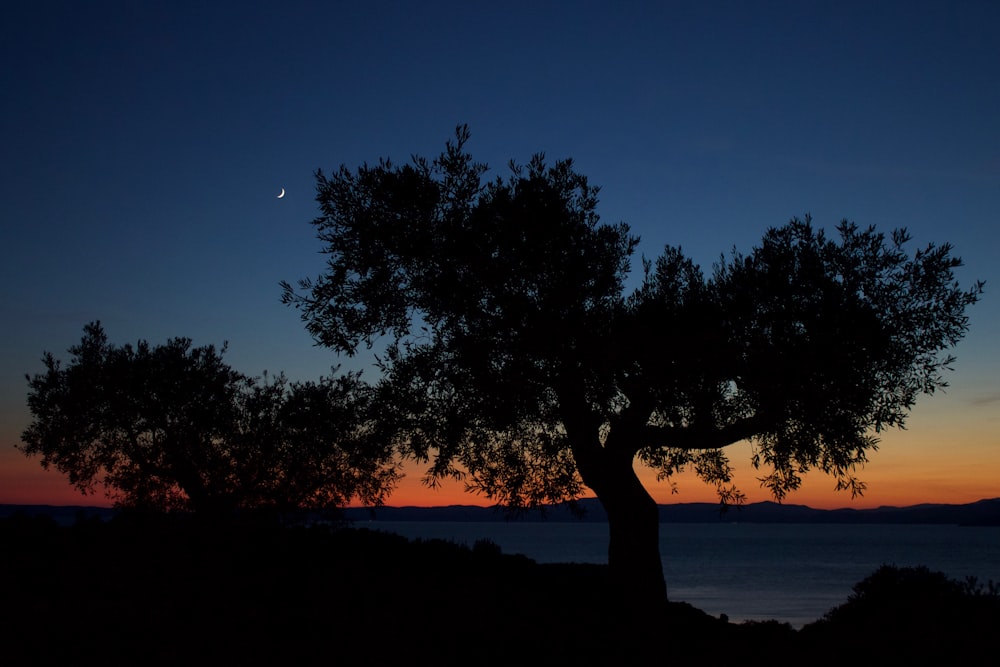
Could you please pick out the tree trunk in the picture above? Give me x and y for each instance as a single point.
(633, 522)
(634, 547)
(633, 517)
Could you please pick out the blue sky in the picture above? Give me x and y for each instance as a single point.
(144, 144)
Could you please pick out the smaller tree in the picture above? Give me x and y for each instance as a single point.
(172, 427)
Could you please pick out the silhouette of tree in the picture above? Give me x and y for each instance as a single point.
(172, 427)
(909, 615)
(514, 358)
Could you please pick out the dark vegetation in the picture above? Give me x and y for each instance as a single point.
(171, 427)
(912, 616)
(172, 590)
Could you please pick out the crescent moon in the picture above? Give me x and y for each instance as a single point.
(282, 193)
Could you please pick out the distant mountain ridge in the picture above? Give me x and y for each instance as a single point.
(980, 513)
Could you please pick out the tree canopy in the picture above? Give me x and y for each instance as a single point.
(173, 427)
(513, 355)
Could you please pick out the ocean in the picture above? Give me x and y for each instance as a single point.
(792, 573)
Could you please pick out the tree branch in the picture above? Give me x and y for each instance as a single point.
(693, 437)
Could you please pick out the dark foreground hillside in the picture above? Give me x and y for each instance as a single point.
(159, 592)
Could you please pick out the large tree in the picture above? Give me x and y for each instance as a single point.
(514, 357)
(173, 427)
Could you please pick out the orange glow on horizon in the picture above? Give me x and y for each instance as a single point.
(911, 467)
(949, 456)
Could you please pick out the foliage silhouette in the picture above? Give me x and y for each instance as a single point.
(514, 359)
(910, 615)
(172, 427)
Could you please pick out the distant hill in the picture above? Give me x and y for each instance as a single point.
(980, 513)
(64, 515)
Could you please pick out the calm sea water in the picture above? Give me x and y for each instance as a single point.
(792, 573)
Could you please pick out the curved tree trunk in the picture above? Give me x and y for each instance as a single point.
(633, 522)
(634, 547)
(633, 517)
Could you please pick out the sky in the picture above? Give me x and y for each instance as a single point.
(144, 145)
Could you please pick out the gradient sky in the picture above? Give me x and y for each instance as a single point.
(144, 144)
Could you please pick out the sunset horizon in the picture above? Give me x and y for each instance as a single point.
(160, 175)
